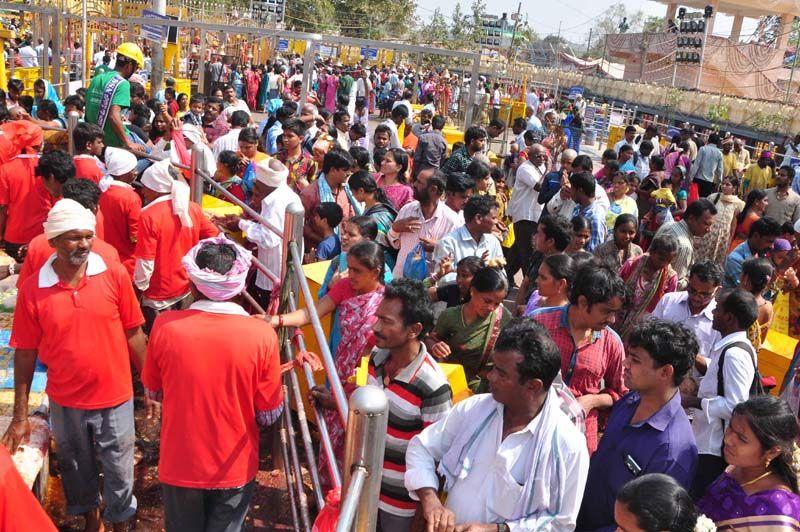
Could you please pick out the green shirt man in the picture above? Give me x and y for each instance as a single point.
(121, 98)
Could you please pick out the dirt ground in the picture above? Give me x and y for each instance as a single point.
(269, 509)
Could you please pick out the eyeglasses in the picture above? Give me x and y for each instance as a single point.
(704, 295)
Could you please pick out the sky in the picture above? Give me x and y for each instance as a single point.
(577, 16)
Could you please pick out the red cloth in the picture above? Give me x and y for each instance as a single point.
(121, 207)
(26, 199)
(164, 240)
(80, 336)
(597, 361)
(39, 251)
(86, 167)
(213, 386)
(19, 509)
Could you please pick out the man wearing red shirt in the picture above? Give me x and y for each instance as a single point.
(170, 225)
(80, 317)
(209, 440)
(121, 206)
(591, 352)
(88, 140)
(19, 509)
(39, 249)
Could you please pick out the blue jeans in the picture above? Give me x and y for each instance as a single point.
(108, 434)
(206, 510)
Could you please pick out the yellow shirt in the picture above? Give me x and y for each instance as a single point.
(743, 158)
(730, 164)
(757, 178)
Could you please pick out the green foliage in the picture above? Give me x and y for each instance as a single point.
(768, 121)
(608, 23)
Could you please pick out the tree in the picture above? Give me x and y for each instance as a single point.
(436, 32)
(478, 13)
(608, 23)
(461, 29)
(653, 24)
(311, 15)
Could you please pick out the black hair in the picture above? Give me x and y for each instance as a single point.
(360, 156)
(400, 157)
(656, 162)
(359, 130)
(598, 283)
(368, 253)
(488, 279)
(26, 102)
(16, 85)
(367, 226)
(217, 257)
(582, 162)
(229, 160)
(583, 181)
(789, 171)
(646, 148)
(765, 226)
(382, 128)
(579, 223)
(214, 100)
(478, 169)
(239, 119)
(400, 112)
(84, 191)
(137, 89)
(292, 124)
(471, 264)
(541, 358)
(478, 205)
(340, 114)
(474, 133)
(713, 138)
(664, 243)
(458, 182)
(84, 133)
(197, 97)
(666, 342)
(625, 218)
(698, 207)
(625, 148)
(497, 123)
(752, 197)
(412, 295)
(75, 101)
(741, 303)
(361, 102)
(139, 114)
(249, 135)
(659, 503)
(182, 95)
(438, 122)
(39, 84)
(561, 266)
(331, 212)
(558, 229)
(48, 106)
(439, 181)
(630, 129)
(377, 156)
(337, 159)
(775, 425)
(707, 272)
(56, 163)
(170, 91)
(759, 271)
(610, 154)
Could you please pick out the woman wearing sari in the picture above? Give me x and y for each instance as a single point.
(252, 80)
(43, 90)
(758, 491)
(356, 297)
(378, 207)
(648, 277)
(250, 156)
(713, 246)
(466, 334)
(753, 209)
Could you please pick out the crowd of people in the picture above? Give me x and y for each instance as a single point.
(607, 320)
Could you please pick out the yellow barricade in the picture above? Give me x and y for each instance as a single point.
(775, 356)
(454, 373)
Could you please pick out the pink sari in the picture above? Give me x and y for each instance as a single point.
(356, 317)
(331, 85)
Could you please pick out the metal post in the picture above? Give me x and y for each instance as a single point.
(473, 88)
(302, 500)
(55, 73)
(349, 506)
(196, 181)
(72, 122)
(308, 69)
(84, 31)
(201, 61)
(292, 231)
(157, 74)
(44, 61)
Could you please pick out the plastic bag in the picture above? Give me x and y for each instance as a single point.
(416, 266)
(329, 515)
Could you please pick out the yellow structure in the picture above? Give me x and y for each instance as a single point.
(775, 356)
(5, 35)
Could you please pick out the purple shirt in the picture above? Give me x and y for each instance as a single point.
(664, 443)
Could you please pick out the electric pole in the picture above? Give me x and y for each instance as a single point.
(514, 33)
(589, 44)
(157, 75)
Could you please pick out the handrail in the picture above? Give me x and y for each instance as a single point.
(327, 359)
(246, 208)
(154, 158)
(347, 513)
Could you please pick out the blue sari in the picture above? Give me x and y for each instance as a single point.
(49, 94)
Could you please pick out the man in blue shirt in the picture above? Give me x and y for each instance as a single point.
(648, 430)
(761, 238)
(583, 193)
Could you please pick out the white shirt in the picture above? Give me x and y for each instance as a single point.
(363, 87)
(240, 105)
(654, 140)
(407, 105)
(98, 57)
(459, 244)
(674, 306)
(565, 208)
(229, 141)
(534, 124)
(28, 56)
(499, 469)
(273, 209)
(737, 373)
(524, 204)
(442, 222)
(394, 138)
(532, 101)
(622, 143)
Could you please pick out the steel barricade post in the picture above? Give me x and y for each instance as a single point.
(72, 123)
(363, 459)
(196, 182)
(292, 231)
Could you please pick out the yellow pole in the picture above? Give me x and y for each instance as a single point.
(5, 35)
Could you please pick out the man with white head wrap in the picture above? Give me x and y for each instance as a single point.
(209, 487)
(271, 196)
(169, 226)
(195, 141)
(79, 316)
(121, 205)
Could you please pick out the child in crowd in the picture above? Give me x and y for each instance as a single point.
(581, 233)
(360, 159)
(457, 293)
(88, 140)
(620, 202)
(620, 247)
(325, 220)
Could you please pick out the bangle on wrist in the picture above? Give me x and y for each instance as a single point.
(280, 320)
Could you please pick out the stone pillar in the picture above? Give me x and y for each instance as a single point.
(736, 29)
(672, 13)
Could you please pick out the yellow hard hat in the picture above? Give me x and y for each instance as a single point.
(132, 51)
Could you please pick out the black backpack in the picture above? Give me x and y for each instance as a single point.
(756, 387)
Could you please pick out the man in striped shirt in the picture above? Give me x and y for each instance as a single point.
(697, 221)
(417, 389)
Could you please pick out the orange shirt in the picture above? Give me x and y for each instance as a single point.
(165, 241)
(39, 251)
(26, 199)
(217, 370)
(80, 333)
(19, 509)
(87, 167)
(121, 207)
